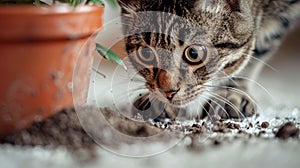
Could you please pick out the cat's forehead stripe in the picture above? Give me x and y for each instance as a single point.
(210, 6)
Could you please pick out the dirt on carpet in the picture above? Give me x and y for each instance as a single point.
(64, 129)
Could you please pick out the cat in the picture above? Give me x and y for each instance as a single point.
(201, 55)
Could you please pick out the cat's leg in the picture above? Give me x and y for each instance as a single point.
(233, 98)
(276, 18)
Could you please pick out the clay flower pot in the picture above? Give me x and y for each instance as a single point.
(40, 47)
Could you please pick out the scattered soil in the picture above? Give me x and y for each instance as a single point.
(217, 142)
(64, 129)
(288, 130)
(265, 124)
(61, 129)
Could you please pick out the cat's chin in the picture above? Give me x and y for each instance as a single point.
(197, 101)
(178, 103)
(191, 108)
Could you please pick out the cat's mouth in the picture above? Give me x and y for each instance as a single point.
(184, 100)
(177, 98)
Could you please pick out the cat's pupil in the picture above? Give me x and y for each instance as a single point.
(146, 53)
(193, 53)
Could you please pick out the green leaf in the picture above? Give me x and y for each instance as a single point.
(110, 55)
(73, 3)
(95, 2)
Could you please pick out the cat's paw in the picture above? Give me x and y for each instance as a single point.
(230, 104)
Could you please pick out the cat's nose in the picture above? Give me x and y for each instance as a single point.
(166, 84)
(170, 94)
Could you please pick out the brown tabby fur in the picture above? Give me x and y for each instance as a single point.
(235, 34)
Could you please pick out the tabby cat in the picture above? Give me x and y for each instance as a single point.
(203, 53)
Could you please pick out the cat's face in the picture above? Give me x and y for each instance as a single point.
(183, 48)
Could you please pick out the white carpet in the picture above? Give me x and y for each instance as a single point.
(238, 153)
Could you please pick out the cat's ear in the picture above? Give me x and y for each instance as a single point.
(215, 6)
(241, 19)
(133, 6)
(129, 6)
(234, 5)
(238, 14)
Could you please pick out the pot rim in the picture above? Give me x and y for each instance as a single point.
(28, 23)
(45, 9)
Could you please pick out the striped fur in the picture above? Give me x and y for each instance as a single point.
(233, 31)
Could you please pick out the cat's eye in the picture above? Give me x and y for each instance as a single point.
(195, 54)
(146, 54)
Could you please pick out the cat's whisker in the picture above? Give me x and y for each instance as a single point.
(255, 82)
(144, 100)
(245, 78)
(124, 95)
(135, 92)
(241, 92)
(218, 77)
(197, 110)
(218, 104)
(206, 100)
(225, 77)
(261, 61)
(229, 77)
(138, 88)
(133, 74)
(248, 96)
(119, 83)
(232, 89)
(153, 100)
(225, 101)
(124, 79)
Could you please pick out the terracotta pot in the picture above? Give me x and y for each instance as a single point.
(40, 47)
